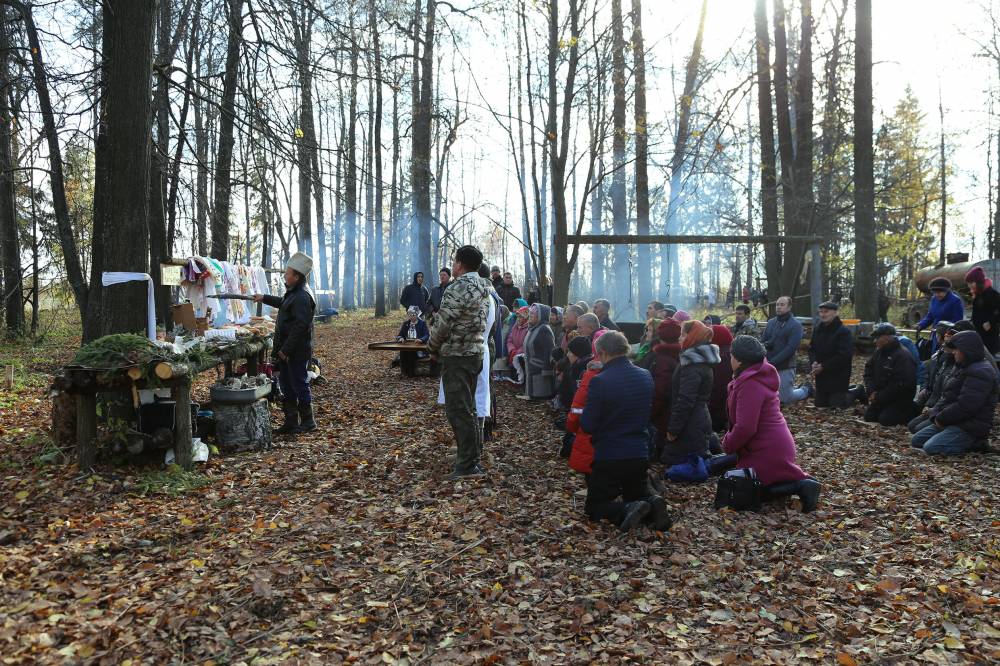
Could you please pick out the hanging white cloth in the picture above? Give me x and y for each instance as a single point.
(483, 381)
(112, 277)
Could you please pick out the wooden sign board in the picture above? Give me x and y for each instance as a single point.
(170, 275)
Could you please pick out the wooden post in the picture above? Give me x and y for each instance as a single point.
(816, 281)
(252, 364)
(181, 393)
(86, 430)
(8, 376)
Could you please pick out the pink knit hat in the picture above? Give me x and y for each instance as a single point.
(597, 334)
(681, 316)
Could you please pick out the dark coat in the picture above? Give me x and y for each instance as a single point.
(617, 411)
(609, 324)
(509, 293)
(939, 370)
(538, 346)
(423, 333)
(293, 332)
(970, 395)
(891, 373)
(571, 379)
(986, 308)
(667, 360)
(690, 391)
(415, 294)
(832, 346)
(437, 293)
(722, 374)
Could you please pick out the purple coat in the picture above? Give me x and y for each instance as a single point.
(758, 433)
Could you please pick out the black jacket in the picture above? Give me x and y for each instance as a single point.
(833, 347)
(415, 294)
(970, 394)
(691, 388)
(609, 324)
(508, 293)
(986, 308)
(940, 367)
(437, 293)
(293, 333)
(891, 373)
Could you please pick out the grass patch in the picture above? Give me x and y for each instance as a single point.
(170, 481)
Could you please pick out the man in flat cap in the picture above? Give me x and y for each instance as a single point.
(293, 344)
(831, 350)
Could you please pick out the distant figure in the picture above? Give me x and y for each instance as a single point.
(437, 293)
(945, 305)
(652, 309)
(515, 344)
(556, 323)
(985, 308)
(782, 338)
(831, 351)
(602, 308)
(415, 294)
(414, 328)
(745, 324)
(890, 380)
(496, 278)
(538, 345)
(508, 291)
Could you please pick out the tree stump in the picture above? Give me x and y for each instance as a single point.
(242, 427)
(63, 418)
(86, 430)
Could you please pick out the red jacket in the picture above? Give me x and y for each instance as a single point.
(581, 458)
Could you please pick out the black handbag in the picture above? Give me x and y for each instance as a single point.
(740, 490)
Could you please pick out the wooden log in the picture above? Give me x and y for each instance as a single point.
(169, 370)
(134, 373)
(243, 427)
(63, 418)
(86, 430)
(181, 393)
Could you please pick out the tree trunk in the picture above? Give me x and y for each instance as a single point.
(377, 120)
(786, 148)
(802, 222)
(619, 213)
(420, 158)
(67, 239)
(121, 207)
(158, 161)
(944, 187)
(351, 191)
(680, 142)
(768, 168)
(306, 147)
(227, 118)
(645, 267)
(865, 252)
(395, 228)
(11, 288)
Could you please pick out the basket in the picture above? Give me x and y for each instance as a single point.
(239, 396)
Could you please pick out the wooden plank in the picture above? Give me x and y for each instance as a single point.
(397, 346)
(181, 393)
(632, 239)
(86, 430)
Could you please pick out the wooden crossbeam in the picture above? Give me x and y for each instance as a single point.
(630, 239)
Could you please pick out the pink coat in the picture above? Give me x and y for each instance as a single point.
(515, 340)
(758, 433)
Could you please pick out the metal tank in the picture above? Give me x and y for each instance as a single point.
(956, 273)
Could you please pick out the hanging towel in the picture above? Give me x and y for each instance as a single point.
(109, 278)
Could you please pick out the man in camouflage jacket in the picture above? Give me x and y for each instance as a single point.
(457, 343)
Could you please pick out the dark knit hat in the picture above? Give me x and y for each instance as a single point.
(883, 329)
(829, 305)
(977, 275)
(748, 350)
(580, 346)
(669, 330)
(963, 325)
(943, 327)
(940, 284)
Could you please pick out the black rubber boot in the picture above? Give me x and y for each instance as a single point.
(306, 421)
(634, 514)
(659, 517)
(291, 425)
(808, 492)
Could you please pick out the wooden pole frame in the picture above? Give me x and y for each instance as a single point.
(814, 243)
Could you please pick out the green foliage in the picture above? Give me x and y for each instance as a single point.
(171, 481)
(908, 194)
(114, 351)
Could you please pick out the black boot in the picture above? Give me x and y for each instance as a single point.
(291, 425)
(634, 514)
(808, 492)
(306, 421)
(659, 518)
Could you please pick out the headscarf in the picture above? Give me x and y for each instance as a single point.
(682, 316)
(542, 311)
(669, 331)
(413, 309)
(721, 335)
(518, 304)
(593, 341)
(696, 333)
(558, 312)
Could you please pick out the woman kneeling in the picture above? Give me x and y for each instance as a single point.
(758, 435)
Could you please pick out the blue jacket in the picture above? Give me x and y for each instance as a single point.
(422, 333)
(616, 415)
(782, 338)
(950, 309)
(911, 347)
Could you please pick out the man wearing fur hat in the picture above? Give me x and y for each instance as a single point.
(293, 344)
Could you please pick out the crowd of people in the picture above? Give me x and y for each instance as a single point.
(697, 396)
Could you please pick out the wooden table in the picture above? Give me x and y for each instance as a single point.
(407, 354)
(86, 383)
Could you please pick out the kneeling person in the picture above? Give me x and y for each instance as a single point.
(963, 416)
(616, 414)
(293, 344)
(890, 379)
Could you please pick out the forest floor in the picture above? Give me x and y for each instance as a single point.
(350, 545)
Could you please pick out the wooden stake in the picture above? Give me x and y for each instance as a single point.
(8, 376)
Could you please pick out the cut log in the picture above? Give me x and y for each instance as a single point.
(243, 427)
(134, 373)
(168, 370)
